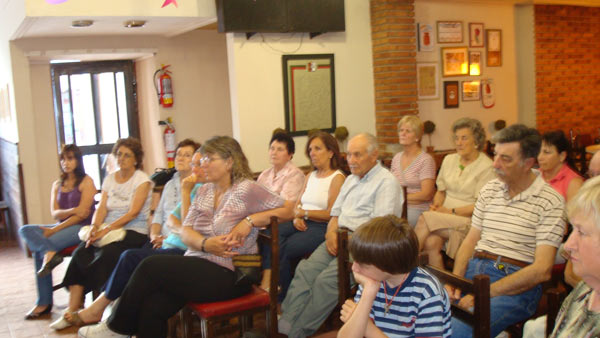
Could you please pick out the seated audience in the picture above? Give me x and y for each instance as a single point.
(461, 177)
(72, 205)
(414, 168)
(307, 230)
(554, 164)
(516, 227)
(165, 230)
(125, 204)
(283, 178)
(222, 222)
(395, 298)
(369, 192)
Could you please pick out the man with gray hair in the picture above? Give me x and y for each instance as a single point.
(370, 191)
(517, 224)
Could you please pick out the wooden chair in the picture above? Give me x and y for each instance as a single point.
(479, 318)
(345, 265)
(243, 307)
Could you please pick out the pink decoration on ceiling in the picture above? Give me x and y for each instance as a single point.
(55, 2)
(168, 2)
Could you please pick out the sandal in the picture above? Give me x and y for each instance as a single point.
(77, 321)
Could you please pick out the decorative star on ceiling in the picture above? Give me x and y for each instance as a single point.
(167, 3)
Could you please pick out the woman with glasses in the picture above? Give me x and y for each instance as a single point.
(222, 222)
(164, 231)
(125, 204)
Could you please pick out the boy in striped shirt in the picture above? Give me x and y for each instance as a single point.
(395, 298)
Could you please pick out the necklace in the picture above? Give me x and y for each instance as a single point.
(386, 308)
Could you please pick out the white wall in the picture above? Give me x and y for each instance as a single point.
(201, 108)
(257, 81)
(493, 16)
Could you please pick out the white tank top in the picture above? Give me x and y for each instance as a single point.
(317, 191)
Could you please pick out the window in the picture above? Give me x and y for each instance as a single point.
(94, 106)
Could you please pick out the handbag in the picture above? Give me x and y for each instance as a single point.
(116, 235)
(161, 176)
(247, 269)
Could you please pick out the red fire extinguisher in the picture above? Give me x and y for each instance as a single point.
(164, 87)
(170, 144)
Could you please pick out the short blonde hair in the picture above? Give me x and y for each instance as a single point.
(587, 201)
(415, 124)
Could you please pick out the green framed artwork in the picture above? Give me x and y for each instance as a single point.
(309, 93)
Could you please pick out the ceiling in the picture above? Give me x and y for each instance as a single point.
(40, 27)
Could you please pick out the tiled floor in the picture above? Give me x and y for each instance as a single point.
(18, 294)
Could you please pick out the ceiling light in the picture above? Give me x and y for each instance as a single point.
(134, 23)
(81, 23)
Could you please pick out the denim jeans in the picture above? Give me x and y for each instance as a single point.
(33, 235)
(293, 245)
(128, 261)
(504, 310)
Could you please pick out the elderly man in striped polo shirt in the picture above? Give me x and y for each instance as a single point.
(517, 225)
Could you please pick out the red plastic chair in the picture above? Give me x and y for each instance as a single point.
(258, 300)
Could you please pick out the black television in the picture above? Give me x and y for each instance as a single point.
(280, 16)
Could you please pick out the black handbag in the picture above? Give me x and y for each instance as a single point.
(161, 176)
(247, 269)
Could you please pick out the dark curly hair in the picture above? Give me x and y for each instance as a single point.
(134, 145)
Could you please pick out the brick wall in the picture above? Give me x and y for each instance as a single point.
(567, 55)
(394, 66)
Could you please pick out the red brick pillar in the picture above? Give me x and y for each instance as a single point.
(393, 34)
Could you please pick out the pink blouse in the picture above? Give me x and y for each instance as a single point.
(561, 181)
(242, 199)
(421, 168)
(287, 183)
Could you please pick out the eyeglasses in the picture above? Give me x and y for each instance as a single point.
(195, 164)
(124, 155)
(206, 160)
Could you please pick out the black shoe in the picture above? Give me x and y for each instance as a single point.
(51, 264)
(35, 315)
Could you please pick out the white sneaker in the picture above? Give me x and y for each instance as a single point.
(99, 330)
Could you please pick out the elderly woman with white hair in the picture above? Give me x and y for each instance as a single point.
(414, 168)
(579, 315)
(461, 177)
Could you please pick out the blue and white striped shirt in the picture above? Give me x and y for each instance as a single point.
(421, 308)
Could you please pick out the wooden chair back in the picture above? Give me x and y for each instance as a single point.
(479, 318)
(344, 263)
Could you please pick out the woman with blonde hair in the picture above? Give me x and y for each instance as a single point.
(414, 168)
(221, 223)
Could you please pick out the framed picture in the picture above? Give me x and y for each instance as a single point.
(471, 91)
(309, 93)
(450, 94)
(427, 80)
(426, 42)
(474, 63)
(455, 61)
(449, 31)
(476, 34)
(494, 47)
